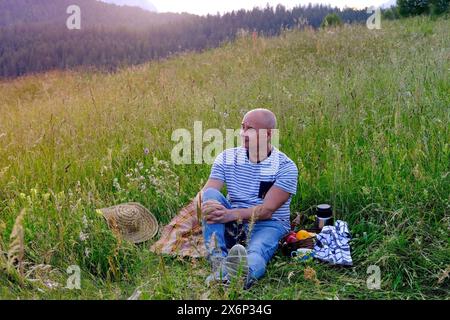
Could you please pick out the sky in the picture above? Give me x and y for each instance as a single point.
(203, 7)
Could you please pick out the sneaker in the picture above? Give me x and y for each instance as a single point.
(236, 264)
(217, 278)
(218, 274)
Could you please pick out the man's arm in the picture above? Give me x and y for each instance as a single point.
(213, 183)
(274, 199)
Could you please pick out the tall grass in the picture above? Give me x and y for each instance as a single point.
(363, 113)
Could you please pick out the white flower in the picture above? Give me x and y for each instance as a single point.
(51, 284)
(85, 221)
(83, 236)
(116, 184)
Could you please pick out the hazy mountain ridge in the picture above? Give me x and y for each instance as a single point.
(147, 5)
(93, 13)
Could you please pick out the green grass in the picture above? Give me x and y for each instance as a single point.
(363, 113)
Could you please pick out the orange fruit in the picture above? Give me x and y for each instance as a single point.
(303, 234)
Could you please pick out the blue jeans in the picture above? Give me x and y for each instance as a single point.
(262, 244)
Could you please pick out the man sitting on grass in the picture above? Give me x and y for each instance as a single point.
(260, 181)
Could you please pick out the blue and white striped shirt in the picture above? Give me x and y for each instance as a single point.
(243, 178)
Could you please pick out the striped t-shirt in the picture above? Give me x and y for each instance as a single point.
(246, 181)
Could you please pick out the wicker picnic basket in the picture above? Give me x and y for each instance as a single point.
(308, 243)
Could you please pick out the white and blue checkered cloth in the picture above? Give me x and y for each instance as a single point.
(333, 246)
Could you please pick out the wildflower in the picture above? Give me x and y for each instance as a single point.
(116, 184)
(78, 187)
(23, 196)
(85, 221)
(146, 151)
(365, 190)
(46, 196)
(83, 236)
(310, 274)
(51, 284)
(99, 212)
(3, 171)
(34, 192)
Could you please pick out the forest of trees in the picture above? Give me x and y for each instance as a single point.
(34, 37)
(408, 8)
(414, 7)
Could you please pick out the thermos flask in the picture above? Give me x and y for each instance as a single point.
(324, 216)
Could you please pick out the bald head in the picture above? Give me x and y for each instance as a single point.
(260, 119)
(257, 129)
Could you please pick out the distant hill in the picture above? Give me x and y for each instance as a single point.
(93, 13)
(34, 36)
(144, 4)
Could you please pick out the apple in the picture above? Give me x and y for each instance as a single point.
(291, 238)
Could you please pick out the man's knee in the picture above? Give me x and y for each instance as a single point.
(266, 253)
(265, 248)
(257, 265)
(211, 194)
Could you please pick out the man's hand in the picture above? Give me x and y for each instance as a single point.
(210, 206)
(215, 212)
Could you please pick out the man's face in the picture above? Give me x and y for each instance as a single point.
(253, 133)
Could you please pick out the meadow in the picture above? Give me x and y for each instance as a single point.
(363, 113)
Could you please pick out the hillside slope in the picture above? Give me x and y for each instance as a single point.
(34, 37)
(363, 113)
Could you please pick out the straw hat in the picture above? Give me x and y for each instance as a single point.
(134, 222)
